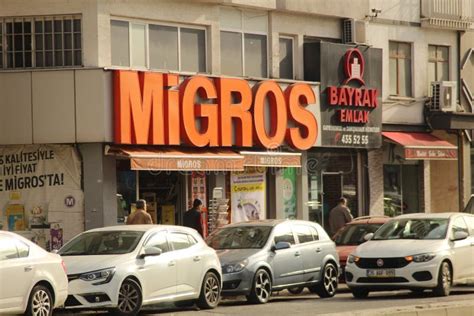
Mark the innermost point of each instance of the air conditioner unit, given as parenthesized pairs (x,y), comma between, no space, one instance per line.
(443,96)
(353,31)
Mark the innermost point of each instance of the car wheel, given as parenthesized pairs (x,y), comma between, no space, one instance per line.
(130,299)
(360,293)
(40,302)
(295,290)
(327,287)
(444,280)
(210,291)
(261,288)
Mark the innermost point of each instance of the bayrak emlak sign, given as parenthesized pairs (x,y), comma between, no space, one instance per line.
(167,109)
(351,87)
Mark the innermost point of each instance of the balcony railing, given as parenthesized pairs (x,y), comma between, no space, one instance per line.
(447,14)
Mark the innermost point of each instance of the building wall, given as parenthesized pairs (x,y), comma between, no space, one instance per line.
(375,170)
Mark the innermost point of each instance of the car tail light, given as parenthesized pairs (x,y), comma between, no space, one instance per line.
(64,266)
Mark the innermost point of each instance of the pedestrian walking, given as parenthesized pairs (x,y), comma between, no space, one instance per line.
(192,217)
(140,216)
(339,216)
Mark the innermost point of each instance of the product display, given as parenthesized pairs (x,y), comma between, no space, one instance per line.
(218,214)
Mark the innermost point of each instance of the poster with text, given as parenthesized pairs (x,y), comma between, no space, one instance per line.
(40,192)
(289,192)
(248,196)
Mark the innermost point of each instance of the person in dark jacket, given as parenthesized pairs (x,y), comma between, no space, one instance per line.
(192,217)
(339,216)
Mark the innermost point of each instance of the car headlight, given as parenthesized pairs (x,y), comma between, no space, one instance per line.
(234,267)
(352,259)
(100,276)
(423,257)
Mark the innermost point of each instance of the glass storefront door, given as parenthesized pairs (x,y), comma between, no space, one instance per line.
(401,189)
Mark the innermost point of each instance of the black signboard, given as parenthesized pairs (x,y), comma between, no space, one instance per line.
(351,88)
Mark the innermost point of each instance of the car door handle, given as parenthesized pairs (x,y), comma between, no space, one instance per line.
(28,268)
(318,250)
(297,254)
(171,263)
(197,259)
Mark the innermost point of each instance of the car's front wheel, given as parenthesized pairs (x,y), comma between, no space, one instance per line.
(444,280)
(261,288)
(130,299)
(40,302)
(210,291)
(327,287)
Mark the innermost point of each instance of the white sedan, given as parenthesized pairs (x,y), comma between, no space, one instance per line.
(124,267)
(416,252)
(33,281)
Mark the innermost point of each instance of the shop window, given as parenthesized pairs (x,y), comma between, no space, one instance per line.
(244,43)
(438,63)
(401,189)
(40,42)
(400,69)
(156,46)
(286,57)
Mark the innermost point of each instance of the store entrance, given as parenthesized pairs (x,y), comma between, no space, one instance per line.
(332,183)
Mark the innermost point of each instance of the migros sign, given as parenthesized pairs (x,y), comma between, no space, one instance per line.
(155,109)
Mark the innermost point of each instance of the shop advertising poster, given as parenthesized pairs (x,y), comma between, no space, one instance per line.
(40,193)
(248,196)
(289,192)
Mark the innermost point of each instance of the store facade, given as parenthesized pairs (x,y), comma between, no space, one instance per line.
(351,120)
(229,142)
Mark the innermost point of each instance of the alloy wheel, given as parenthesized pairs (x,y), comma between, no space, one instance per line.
(128,298)
(330,279)
(446,277)
(263,286)
(41,303)
(211,290)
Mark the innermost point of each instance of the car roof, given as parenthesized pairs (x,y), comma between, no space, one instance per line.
(430,215)
(371,219)
(269,222)
(142,228)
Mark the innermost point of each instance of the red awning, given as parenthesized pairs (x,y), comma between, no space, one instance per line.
(423,146)
(145,158)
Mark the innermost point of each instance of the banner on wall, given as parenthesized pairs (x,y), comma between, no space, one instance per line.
(248,196)
(289,192)
(40,193)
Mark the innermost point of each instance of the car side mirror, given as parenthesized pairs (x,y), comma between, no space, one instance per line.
(460,235)
(281,245)
(151,251)
(368,236)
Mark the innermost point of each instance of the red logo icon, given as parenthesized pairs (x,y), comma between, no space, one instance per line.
(354,64)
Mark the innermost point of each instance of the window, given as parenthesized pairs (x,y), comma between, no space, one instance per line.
(284,234)
(438,63)
(40,42)
(179,241)
(159,240)
(244,43)
(304,234)
(7,249)
(23,249)
(400,69)
(470,222)
(157,46)
(286,57)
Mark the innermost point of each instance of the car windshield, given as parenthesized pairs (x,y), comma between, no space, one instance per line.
(353,235)
(102,243)
(409,228)
(241,237)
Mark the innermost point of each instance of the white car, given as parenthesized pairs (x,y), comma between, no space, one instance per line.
(32,280)
(416,252)
(126,267)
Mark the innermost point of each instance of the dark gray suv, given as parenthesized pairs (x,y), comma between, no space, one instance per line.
(260,257)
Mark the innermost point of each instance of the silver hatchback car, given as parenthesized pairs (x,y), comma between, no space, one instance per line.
(260,257)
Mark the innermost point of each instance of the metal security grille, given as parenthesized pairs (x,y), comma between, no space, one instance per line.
(436,93)
(40,42)
(347,32)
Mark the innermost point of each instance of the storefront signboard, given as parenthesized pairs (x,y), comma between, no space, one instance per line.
(248,196)
(157,109)
(430,153)
(351,88)
(40,193)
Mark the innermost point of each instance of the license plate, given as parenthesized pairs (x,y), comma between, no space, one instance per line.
(381,273)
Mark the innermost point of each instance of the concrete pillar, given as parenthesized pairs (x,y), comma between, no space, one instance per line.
(426,165)
(100,186)
(375,166)
(302,189)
